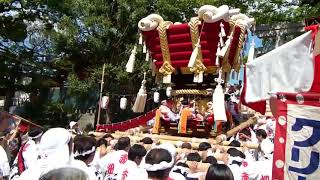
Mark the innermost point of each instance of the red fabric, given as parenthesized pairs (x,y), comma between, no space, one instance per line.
(23,127)
(125,125)
(234,45)
(180,45)
(316,81)
(257,106)
(21,166)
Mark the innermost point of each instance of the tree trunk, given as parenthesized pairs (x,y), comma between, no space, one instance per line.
(8,101)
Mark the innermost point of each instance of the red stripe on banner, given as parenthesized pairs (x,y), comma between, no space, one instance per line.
(280,166)
(128,124)
(280,141)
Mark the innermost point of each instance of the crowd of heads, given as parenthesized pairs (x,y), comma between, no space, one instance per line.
(59,153)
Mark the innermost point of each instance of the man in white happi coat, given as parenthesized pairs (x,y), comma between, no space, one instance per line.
(30,151)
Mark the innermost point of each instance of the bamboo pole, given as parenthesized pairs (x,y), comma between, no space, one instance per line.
(27,121)
(194,145)
(176,139)
(243,125)
(100,95)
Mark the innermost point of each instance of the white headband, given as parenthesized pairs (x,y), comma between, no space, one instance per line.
(237,159)
(76,154)
(37,136)
(161,166)
(182,169)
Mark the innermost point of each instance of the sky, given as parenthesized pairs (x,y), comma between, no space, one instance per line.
(258,43)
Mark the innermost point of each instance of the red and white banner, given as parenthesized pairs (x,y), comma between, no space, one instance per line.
(297,138)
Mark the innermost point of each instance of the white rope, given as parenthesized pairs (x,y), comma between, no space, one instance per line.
(161,166)
(76,154)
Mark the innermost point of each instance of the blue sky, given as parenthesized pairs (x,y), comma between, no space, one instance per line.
(258,44)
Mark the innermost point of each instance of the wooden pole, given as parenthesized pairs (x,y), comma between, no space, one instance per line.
(100,96)
(243,125)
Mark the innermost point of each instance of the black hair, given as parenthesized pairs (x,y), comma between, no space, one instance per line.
(83,144)
(178,170)
(203,146)
(34,132)
(123,143)
(236,153)
(136,151)
(262,133)
(65,173)
(156,156)
(186,145)
(146,140)
(194,157)
(235,143)
(108,136)
(211,160)
(246,131)
(219,171)
(182,164)
(101,142)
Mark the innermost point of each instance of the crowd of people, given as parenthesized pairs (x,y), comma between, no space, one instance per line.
(59,153)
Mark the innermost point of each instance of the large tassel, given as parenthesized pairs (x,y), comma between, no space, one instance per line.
(132,58)
(218,102)
(224,50)
(144,49)
(141,99)
(222,31)
(194,55)
(140,39)
(147,56)
(251,52)
(217,55)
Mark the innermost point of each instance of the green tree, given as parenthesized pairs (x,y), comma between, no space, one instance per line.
(60,43)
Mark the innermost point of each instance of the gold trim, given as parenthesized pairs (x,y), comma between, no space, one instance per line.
(166,68)
(236,60)
(194,31)
(210,70)
(191,92)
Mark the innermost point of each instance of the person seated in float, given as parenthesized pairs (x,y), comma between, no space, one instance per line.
(197,114)
(166,112)
(209,113)
(187,109)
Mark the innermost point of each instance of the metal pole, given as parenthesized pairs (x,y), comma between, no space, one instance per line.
(100,98)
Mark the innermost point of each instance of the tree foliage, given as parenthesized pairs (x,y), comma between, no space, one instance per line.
(65,43)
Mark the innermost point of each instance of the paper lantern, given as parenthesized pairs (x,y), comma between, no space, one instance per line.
(169,91)
(156,97)
(123,103)
(105,102)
